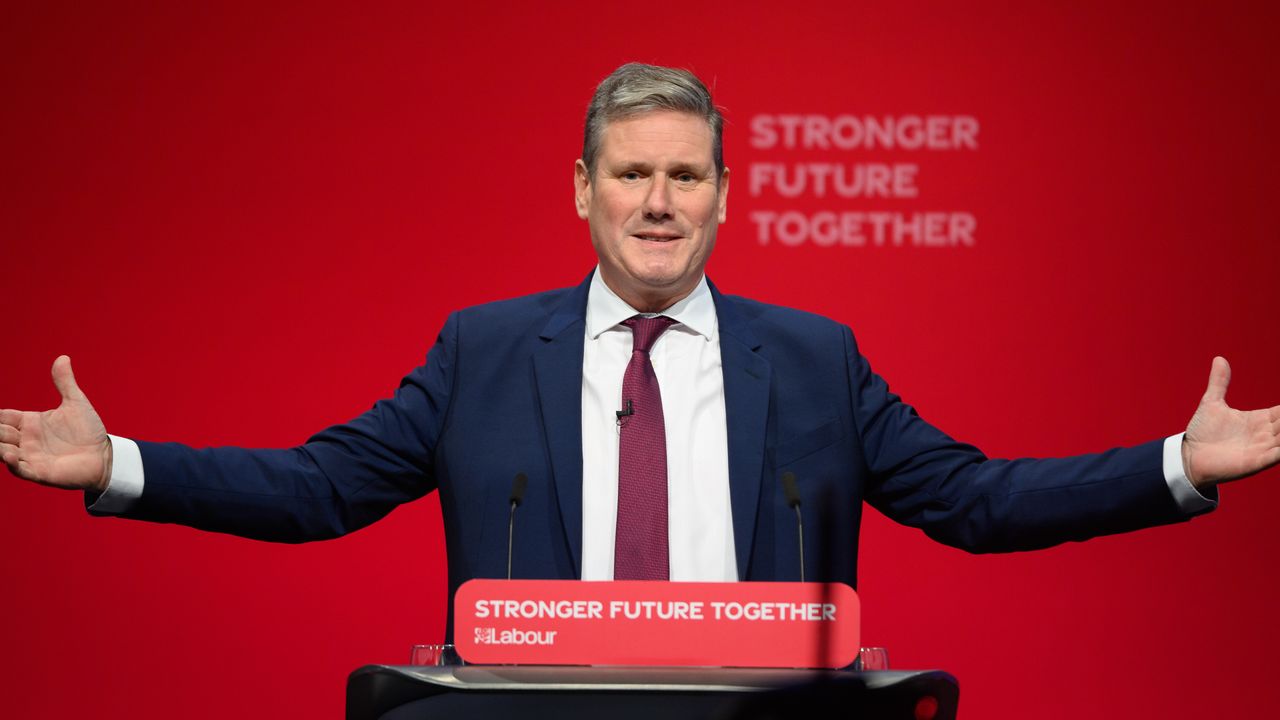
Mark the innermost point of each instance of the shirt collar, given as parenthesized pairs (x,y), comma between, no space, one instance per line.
(605,310)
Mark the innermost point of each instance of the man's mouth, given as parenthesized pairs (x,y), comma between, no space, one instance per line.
(656,236)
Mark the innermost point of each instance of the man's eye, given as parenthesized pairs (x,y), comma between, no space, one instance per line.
(686,178)
(632,175)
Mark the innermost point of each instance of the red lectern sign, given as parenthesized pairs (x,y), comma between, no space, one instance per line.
(567,622)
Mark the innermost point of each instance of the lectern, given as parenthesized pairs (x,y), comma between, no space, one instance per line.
(471,692)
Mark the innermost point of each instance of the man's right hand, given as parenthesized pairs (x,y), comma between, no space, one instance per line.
(66,447)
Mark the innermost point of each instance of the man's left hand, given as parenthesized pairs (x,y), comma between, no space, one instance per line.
(1224,444)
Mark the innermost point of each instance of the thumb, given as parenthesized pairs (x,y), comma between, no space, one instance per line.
(1219,379)
(65,380)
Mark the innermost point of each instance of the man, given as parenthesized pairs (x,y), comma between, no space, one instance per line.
(653,416)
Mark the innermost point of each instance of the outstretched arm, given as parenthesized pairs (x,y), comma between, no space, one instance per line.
(1224,444)
(66,447)
(341,479)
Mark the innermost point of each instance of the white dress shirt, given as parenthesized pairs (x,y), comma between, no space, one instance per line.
(686,360)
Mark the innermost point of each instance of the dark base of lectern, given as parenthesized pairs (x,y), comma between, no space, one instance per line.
(381,692)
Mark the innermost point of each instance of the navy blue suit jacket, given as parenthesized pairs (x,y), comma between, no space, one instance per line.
(500,394)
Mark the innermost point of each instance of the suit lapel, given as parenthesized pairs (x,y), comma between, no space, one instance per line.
(746,404)
(557,368)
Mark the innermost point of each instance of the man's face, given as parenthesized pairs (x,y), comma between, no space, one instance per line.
(653,206)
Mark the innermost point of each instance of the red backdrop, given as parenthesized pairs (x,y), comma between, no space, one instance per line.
(245,223)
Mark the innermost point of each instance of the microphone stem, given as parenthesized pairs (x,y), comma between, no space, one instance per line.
(511,534)
(800,537)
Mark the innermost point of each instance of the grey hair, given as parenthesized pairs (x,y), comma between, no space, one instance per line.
(635,89)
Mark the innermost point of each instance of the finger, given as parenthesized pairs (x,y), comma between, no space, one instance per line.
(13,418)
(10,455)
(65,380)
(1219,379)
(9,435)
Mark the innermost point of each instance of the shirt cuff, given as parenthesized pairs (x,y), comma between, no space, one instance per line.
(125,486)
(1189,499)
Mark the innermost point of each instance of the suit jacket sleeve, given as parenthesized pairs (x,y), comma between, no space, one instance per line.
(340,480)
(921,477)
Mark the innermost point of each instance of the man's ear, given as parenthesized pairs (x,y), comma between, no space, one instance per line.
(581,188)
(723,192)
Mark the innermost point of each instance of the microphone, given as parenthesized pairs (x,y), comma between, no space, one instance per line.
(627,412)
(792,492)
(517,496)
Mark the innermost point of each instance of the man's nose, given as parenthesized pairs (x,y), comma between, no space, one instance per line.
(657,202)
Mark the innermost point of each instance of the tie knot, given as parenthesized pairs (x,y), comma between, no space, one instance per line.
(645,330)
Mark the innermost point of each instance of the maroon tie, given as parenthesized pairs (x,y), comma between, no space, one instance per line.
(640,551)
